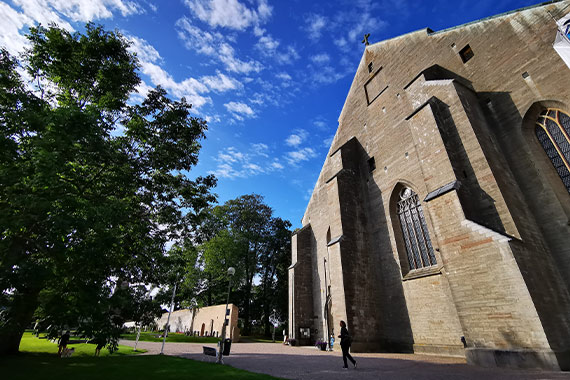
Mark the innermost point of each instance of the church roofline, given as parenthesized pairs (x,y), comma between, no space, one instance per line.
(431,32)
(308,225)
(494,16)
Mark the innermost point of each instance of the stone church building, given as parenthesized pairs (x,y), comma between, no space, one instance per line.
(440,220)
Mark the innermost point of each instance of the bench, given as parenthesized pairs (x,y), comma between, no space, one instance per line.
(209,351)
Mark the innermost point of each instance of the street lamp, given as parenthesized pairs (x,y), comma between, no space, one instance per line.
(231,272)
(168,319)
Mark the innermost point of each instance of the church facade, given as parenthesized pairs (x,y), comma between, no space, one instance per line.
(440,221)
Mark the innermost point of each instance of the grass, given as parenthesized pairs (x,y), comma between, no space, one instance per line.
(172,338)
(38,360)
(150,367)
(31,344)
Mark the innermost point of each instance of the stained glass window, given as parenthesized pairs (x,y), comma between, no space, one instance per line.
(553,131)
(414,229)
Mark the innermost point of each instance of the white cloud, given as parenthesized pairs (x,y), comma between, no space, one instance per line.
(235,164)
(267,45)
(140,93)
(230,14)
(239,110)
(12,22)
(363,25)
(226,54)
(276,165)
(288,57)
(321,58)
(190,88)
(305,154)
(283,76)
(27,13)
(221,82)
(297,138)
(213,45)
(355,24)
(144,51)
(44,11)
(328,74)
(293,140)
(320,122)
(327,142)
(260,149)
(153,7)
(314,25)
(341,43)
(308,193)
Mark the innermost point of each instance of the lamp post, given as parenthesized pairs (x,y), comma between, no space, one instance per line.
(231,272)
(140,325)
(168,319)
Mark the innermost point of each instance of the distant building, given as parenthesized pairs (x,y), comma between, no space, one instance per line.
(440,220)
(205,321)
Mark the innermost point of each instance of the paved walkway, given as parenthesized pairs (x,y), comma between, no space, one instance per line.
(307,363)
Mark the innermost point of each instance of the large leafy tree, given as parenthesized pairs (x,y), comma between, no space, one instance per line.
(274,263)
(243,233)
(91,188)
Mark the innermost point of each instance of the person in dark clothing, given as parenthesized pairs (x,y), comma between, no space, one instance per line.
(100,341)
(345,342)
(63,343)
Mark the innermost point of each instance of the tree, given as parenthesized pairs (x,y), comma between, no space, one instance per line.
(275,260)
(84,209)
(244,234)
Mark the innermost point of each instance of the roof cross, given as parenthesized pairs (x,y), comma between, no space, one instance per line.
(365,40)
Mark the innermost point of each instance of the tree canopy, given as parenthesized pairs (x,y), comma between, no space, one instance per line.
(244,234)
(91,187)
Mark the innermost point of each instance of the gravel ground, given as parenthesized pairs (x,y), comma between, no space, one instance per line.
(308,363)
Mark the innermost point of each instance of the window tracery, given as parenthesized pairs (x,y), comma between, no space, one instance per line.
(418,245)
(553,131)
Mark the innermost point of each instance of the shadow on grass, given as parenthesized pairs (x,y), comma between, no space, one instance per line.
(49,366)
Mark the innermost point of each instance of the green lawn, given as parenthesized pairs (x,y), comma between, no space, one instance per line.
(31,344)
(172,338)
(38,360)
(152,367)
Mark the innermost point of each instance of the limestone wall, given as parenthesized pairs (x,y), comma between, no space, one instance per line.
(427,117)
(205,321)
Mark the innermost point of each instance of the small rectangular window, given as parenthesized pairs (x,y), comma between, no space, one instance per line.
(375,86)
(371,164)
(370,67)
(466,53)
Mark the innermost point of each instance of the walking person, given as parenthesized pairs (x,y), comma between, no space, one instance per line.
(62,346)
(345,342)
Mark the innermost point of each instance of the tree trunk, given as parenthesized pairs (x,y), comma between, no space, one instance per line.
(266,306)
(209,290)
(20,313)
(246,324)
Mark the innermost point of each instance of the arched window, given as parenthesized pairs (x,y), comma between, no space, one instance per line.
(553,130)
(414,230)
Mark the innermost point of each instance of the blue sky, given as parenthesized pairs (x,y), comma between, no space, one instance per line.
(270,77)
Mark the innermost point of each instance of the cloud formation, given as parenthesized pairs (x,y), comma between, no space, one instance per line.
(190,88)
(214,45)
(230,14)
(240,110)
(314,25)
(26,13)
(232,163)
(297,156)
(297,138)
